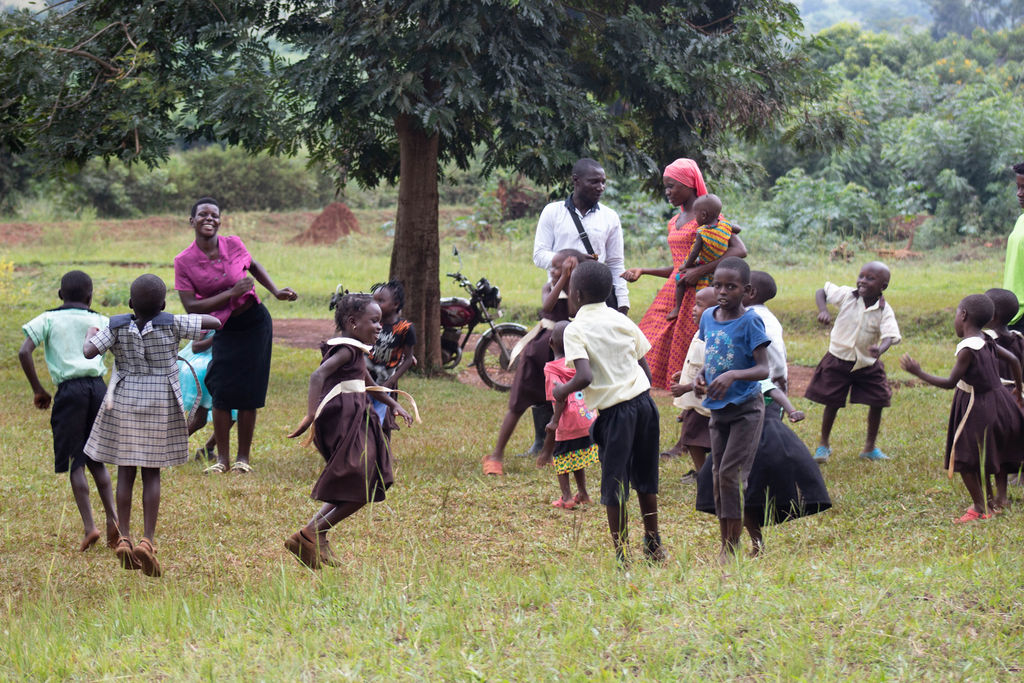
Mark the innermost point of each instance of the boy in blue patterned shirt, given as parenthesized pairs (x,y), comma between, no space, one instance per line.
(735,360)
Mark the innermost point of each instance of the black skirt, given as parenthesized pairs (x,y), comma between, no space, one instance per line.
(240,369)
(785,483)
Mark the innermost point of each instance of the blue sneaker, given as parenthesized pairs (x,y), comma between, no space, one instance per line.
(821,453)
(874,454)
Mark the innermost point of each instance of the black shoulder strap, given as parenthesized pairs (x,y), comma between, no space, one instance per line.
(571,208)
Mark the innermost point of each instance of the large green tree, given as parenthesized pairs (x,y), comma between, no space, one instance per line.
(392,90)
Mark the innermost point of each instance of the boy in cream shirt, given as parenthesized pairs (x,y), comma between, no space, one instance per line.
(607,350)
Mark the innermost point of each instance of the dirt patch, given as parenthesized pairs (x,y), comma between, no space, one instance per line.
(303,333)
(335,221)
(307,333)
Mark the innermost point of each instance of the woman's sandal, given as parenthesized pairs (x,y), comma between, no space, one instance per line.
(559,503)
(216,468)
(241,466)
(125,554)
(145,555)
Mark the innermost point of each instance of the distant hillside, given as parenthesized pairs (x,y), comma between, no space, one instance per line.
(873,15)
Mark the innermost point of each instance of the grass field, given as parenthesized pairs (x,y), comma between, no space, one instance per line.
(457,576)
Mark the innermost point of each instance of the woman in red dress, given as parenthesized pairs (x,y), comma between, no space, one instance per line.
(670,339)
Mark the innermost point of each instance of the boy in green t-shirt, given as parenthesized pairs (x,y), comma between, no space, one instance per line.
(80,390)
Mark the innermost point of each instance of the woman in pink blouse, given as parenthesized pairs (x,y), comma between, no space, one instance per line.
(215,275)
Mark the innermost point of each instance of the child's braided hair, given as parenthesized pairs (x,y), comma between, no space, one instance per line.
(397,291)
(349,305)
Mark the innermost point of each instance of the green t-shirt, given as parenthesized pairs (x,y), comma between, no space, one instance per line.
(1013,275)
(62,332)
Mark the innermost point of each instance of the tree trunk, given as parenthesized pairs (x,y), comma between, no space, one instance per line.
(415,256)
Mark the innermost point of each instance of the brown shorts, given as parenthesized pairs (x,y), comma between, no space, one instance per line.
(696,432)
(832,380)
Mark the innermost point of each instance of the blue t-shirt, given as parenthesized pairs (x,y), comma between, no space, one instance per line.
(730,345)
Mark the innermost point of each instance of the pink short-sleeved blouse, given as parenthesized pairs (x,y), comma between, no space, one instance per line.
(205,277)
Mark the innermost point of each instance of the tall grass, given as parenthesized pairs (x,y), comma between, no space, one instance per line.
(461,577)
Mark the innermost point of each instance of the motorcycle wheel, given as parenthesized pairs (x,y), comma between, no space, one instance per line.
(492,355)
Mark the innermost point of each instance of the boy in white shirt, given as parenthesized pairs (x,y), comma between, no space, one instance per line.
(865,327)
(607,351)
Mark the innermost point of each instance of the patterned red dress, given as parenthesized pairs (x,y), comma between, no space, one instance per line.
(670,339)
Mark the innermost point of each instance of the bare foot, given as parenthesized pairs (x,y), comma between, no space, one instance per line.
(544,459)
(89,538)
(112,533)
(672,315)
(757,548)
(582,499)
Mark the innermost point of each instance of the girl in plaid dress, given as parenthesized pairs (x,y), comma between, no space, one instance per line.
(142,422)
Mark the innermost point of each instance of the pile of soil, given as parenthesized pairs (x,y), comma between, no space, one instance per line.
(335,221)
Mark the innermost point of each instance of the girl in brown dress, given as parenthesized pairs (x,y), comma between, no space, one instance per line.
(985,424)
(345,429)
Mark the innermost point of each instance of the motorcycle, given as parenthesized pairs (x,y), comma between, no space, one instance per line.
(460,316)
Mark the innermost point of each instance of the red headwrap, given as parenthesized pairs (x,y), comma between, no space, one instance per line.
(688,173)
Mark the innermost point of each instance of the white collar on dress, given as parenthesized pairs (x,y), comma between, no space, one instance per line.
(972,343)
(349,341)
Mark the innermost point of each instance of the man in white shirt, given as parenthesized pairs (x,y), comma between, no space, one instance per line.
(556,228)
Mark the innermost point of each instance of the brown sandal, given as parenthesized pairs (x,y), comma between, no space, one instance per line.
(145,555)
(125,554)
(304,548)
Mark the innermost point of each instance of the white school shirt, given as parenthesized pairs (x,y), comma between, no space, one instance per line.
(613,345)
(858,327)
(692,366)
(777,349)
(556,231)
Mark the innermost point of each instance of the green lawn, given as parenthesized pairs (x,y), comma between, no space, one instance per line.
(458,576)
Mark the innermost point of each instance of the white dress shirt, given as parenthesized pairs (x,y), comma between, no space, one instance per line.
(556,231)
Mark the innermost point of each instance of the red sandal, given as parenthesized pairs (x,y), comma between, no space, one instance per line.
(972,515)
(559,503)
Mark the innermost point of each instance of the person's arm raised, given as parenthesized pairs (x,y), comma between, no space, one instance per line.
(633,274)
(964,358)
(262,277)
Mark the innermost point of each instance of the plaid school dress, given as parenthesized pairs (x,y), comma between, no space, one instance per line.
(142,422)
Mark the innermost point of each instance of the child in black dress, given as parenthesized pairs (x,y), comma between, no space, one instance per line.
(392,355)
(985,425)
(1005,306)
(528,385)
(345,430)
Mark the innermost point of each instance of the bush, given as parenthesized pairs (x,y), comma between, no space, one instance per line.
(815,211)
(243,182)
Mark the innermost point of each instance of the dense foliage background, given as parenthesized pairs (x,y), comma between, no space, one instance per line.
(919,133)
